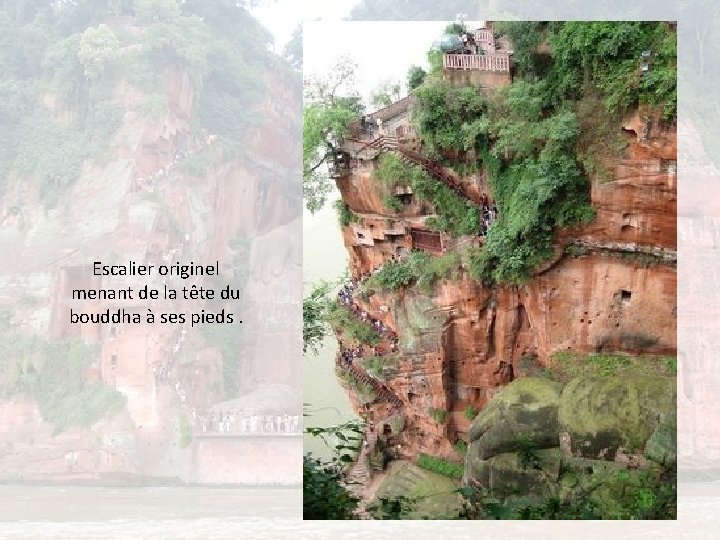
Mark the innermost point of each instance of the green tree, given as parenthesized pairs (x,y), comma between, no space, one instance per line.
(415,77)
(151,11)
(293,51)
(314,311)
(450,118)
(385,94)
(324,493)
(331,103)
(98,46)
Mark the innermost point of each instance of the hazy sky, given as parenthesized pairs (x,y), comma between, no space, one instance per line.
(382,50)
(281,17)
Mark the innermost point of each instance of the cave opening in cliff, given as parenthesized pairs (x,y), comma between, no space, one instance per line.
(625,295)
(627,231)
(405,199)
(426,240)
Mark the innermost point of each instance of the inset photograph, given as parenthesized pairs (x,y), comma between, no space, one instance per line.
(490,270)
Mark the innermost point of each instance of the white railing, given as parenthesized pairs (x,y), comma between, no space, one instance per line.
(479,62)
(484,36)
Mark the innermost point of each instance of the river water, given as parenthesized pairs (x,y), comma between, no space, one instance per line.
(324,258)
(174,513)
(84,513)
(74,513)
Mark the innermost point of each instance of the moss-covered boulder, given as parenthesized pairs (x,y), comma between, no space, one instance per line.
(419,494)
(523,414)
(514,475)
(662,444)
(602,415)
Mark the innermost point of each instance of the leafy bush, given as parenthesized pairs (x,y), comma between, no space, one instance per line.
(455,214)
(345,215)
(461,447)
(439,415)
(315,306)
(98,46)
(393,275)
(441,466)
(419,267)
(393,204)
(450,118)
(344,321)
(470,412)
(415,77)
(324,495)
(575,250)
(380,366)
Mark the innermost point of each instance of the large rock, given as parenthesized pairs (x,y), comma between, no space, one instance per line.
(602,415)
(523,414)
(662,444)
(434,495)
(512,474)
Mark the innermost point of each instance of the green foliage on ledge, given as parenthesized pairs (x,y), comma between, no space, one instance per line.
(543,135)
(534,196)
(54,375)
(455,215)
(345,215)
(441,466)
(450,118)
(344,321)
(564,366)
(380,366)
(419,267)
(439,415)
(470,412)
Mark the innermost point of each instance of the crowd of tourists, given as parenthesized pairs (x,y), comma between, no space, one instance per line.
(489,214)
(345,297)
(162,372)
(149,182)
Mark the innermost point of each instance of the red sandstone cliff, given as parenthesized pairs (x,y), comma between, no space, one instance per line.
(104,214)
(617,294)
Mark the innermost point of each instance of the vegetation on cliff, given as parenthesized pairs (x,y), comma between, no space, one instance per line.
(315,306)
(54,374)
(418,268)
(455,214)
(541,140)
(331,104)
(64,62)
(528,135)
(325,495)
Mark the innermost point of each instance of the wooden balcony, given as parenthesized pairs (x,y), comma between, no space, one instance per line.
(478,62)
